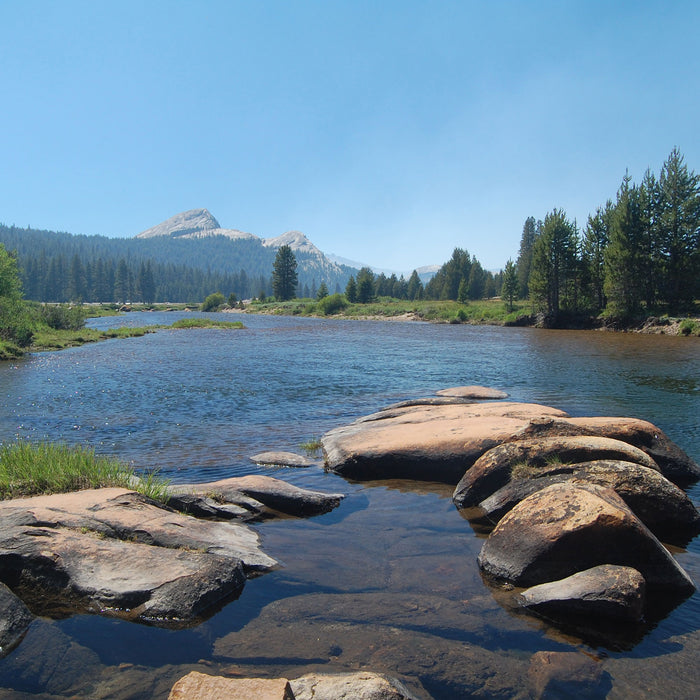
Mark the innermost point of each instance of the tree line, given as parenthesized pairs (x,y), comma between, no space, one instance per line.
(638,253)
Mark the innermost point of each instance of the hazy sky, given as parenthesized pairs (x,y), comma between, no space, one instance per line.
(389,132)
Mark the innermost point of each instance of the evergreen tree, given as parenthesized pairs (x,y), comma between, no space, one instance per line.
(365,286)
(414,290)
(525,256)
(595,242)
(679,231)
(351,290)
(284,274)
(146,284)
(553,263)
(322,291)
(510,287)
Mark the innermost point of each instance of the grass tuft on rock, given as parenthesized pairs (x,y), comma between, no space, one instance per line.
(30,469)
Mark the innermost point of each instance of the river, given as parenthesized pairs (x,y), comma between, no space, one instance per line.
(388,581)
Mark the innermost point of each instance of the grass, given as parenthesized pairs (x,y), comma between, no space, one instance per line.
(51,339)
(311,447)
(30,469)
(205,323)
(488,311)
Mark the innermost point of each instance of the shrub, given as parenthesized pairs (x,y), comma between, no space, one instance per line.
(61,317)
(332,304)
(689,327)
(213,302)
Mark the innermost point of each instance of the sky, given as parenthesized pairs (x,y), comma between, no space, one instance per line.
(388,131)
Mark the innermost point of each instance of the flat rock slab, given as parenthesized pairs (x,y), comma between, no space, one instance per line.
(281,459)
(267,492)
(434,443)
(473,392)
(200,686)
(567,528)
(605,591)
(567,674)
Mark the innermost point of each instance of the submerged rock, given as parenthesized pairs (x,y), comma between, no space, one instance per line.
(434,443)
(15,619)
(200,686)
(605,591)
(281,459)
(566,528)
(567,674)
(473,392)
(360,685)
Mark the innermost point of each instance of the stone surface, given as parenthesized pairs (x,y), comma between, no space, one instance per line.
(15,619)
(605,591)
(566,674)
(473,392)
(494,469)
(673,462)
(661,505)
(272,493)
(200,686)
(435,443)
(361,685)
(566,528)
(281,459)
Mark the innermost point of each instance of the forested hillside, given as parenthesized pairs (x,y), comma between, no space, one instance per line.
(63,267)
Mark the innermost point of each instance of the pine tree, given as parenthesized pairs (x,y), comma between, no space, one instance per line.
(284,274)
(510,287)
(525,256)
(351,290)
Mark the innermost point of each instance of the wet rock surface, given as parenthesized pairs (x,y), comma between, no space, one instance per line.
(566,528)
(15,619)
(115,552)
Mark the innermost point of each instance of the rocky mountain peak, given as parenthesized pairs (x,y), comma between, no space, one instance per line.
(296,240)
(183,224)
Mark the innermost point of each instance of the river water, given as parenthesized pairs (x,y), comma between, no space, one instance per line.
(388,581)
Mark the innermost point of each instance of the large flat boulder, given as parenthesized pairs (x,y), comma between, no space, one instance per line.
(359,685)
(201,686)
(566,528)
(494,469)
(428,442)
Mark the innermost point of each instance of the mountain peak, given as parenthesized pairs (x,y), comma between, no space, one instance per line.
(296,240)
(182,224)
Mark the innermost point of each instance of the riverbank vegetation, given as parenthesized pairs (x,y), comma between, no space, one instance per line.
(28,469)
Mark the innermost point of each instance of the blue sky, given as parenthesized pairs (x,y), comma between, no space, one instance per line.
(389,132)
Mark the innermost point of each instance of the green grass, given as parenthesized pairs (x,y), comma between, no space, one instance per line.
(51,339)
(29,469)
(205,323)
(311,447)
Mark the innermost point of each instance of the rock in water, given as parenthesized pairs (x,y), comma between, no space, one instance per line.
(15,619)
(434,443)
(606,591)
(566,528)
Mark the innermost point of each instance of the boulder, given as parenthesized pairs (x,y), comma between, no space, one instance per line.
(479,393)
(434,443)
(200,686)
(281,459)
(15,619)
(495,468)
(566,528)
(361,685)
(661,505)
(567,674)
(672,461)
(605,591)
(267,492)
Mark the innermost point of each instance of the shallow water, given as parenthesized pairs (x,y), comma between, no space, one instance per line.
(389,580)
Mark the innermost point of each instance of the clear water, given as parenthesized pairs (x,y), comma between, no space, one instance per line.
(389,580)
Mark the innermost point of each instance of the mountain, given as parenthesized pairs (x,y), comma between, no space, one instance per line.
(195,223)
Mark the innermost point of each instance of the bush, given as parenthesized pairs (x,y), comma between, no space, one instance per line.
(213,302)
(689,327)
(61,317)
(16,325)
(332,304)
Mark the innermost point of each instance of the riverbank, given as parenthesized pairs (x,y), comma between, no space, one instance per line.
(485,312)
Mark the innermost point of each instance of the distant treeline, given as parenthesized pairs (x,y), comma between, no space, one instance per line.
(61,267)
